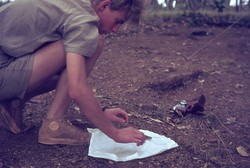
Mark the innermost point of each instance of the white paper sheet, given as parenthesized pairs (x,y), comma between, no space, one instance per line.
(101,146)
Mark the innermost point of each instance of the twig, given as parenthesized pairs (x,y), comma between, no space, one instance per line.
(184,57)
(146,117)
(205,45)
(231,132)
(216,132)
(224,145)
(200,126)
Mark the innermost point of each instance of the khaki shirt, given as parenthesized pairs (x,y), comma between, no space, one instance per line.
(26,25)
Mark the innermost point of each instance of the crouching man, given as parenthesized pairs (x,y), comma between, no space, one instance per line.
(54,44)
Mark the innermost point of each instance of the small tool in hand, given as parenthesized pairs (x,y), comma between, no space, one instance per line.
(148,137)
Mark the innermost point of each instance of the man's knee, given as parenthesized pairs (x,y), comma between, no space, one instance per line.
(53,51)
(57,48)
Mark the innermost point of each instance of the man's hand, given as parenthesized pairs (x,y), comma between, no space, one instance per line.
(116,115)
(130,135)
(124,135)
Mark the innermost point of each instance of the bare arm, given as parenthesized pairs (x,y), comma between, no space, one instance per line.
(80,91)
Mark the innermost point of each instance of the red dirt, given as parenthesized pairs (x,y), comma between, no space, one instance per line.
(147,73)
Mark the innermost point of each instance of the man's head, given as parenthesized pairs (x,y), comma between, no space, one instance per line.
(113,13)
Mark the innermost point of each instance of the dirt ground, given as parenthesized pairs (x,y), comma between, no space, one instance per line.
(147,72)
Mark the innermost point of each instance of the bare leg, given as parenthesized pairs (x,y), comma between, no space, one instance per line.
(48,61)
(45,88)
(61,99)
(54,129)
(48,73)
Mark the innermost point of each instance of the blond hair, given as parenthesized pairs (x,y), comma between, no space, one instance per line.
(134,7)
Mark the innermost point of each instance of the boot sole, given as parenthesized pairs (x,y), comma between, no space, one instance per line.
(8,121)
(54,141)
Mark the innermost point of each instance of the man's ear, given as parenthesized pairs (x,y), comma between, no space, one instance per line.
(103,5)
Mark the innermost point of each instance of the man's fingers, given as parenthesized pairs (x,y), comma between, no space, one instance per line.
(120,120)
(140,138)
(123,116)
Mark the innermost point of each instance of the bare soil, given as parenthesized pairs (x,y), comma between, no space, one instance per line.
(147,72)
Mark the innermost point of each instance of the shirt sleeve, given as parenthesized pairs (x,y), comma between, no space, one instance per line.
(80,35)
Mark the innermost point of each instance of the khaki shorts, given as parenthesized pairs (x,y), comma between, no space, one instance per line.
(15,76)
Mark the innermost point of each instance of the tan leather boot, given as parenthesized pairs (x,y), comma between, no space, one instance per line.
(59,131)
